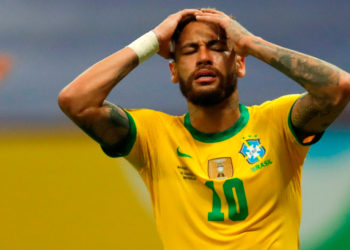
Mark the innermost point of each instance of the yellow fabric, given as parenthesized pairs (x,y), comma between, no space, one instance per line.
(176,169)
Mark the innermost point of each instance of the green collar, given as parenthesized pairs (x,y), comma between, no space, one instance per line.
(220,136)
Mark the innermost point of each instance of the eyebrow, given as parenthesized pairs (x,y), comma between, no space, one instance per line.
(190,44)
(209,43)
(216,41)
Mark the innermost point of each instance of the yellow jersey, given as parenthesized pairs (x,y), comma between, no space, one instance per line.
(236,189)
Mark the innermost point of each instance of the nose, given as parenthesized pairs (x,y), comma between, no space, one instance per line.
(204,56)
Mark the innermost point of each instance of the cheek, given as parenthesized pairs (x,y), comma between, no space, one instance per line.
(227,65)
(221,60)
(185,68)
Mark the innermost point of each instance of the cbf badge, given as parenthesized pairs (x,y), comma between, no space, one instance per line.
(220,168)
(252,150)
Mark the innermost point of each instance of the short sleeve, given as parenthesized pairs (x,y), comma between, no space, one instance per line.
(135,147)
(124,148)
(283,106)
(281,112)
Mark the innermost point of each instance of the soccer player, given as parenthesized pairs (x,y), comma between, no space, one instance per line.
(222,176)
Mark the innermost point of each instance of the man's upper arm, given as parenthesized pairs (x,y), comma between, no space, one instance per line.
(108,125)
(310,117)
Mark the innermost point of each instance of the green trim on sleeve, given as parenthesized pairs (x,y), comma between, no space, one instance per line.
(127,144)
(220,136)
(131,138)
(290,125)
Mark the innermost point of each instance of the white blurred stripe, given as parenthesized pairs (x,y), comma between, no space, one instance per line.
(326,197)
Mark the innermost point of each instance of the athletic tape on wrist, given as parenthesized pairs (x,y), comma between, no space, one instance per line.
(145,46)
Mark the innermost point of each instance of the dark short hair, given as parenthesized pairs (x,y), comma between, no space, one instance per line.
(180,27)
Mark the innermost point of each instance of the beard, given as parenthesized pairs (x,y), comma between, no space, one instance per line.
(227,85)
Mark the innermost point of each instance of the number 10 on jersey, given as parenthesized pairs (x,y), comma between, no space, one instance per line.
(231,187)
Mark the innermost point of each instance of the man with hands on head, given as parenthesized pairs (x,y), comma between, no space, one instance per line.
(222,176)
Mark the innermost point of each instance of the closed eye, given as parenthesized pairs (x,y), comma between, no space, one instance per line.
(217,45)
(189,48)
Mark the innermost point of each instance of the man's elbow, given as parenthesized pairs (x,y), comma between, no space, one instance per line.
(66,101)
(344,89)
(335,97)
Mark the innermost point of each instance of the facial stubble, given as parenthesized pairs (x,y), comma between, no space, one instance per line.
(227,85)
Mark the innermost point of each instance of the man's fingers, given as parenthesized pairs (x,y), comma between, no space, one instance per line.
(186,12)
(176,17)
(208,17)
(208,14)
(213,11)
(165,30)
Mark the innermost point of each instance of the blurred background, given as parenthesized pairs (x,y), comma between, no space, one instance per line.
(59,191)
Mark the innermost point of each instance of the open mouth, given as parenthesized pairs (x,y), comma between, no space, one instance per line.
(205,76)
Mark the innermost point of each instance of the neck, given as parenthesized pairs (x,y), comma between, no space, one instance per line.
(216,118)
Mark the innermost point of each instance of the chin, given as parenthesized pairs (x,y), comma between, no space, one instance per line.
(207,94)
(206,98)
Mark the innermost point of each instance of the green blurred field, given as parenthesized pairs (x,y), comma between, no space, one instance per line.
(59,191)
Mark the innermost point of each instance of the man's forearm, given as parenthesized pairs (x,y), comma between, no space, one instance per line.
(318,77)
(92,87)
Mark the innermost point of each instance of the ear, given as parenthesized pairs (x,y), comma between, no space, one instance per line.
(173,71)
(240,66)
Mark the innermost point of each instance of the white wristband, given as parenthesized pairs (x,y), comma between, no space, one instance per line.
(145,46)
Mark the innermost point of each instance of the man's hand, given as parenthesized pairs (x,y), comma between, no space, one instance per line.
(237,35)
(328,86)
(165,30)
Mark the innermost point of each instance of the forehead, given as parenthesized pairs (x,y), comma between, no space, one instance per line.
(199,31)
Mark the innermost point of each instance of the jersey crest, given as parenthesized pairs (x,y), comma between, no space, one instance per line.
(252,150)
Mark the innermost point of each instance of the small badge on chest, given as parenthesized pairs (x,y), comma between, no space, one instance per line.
(220,168)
